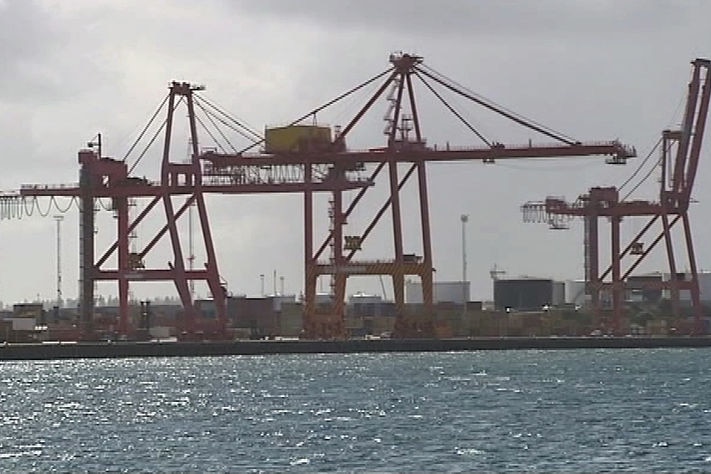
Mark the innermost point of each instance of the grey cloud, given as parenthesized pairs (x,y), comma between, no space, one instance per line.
(43,55)
(24,34)
(27,39)
(478,18)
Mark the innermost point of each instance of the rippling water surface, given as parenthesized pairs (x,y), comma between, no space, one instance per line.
(583,410)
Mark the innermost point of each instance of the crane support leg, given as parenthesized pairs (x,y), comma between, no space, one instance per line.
(617,283)
(86,248)
(694,289)
(121,209)
(426,276)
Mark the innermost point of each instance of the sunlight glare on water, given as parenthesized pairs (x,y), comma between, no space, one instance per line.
(578,410)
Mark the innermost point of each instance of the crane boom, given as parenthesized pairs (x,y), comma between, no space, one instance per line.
(618,151)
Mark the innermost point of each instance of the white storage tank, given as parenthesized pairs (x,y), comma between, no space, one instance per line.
(575,292)
(685,296)
(457,292)
(278,300)
(413,292)
(451,291)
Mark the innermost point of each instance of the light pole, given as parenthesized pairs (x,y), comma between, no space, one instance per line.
(261,278)
(59,220)
(464,218)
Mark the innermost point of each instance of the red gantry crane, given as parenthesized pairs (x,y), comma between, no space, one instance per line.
(680,151)
(304,158)
(187,183)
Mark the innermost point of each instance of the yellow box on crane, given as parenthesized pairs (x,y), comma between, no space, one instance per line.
(294,138)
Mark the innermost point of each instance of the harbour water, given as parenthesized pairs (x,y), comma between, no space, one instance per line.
(550,411)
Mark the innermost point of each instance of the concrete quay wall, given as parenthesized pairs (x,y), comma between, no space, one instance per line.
(196,349)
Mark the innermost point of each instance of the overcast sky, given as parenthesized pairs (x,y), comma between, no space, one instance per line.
(594,70)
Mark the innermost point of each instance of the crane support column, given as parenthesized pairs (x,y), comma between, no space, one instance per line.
(398,277)
(120,205)
(86,241)
(337,329)
(170,176)
(592,265)
(694,284)
(617,284)
(427,272)
(309,261)
(673,275)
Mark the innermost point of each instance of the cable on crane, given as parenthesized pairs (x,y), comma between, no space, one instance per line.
(30,211)
(640,166)
(35,203)
(239,123)
(679,104)
(329,103)
(498,106)
(18,206)
(211,117)
(6,206)
(73,201)
(52,201)
(15,210)
(214,139)
(521,120)
(145,129)
(153,139)
(451,109)
(32,203)
(101,204)
(646,176)
(653,150)
(345,109)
